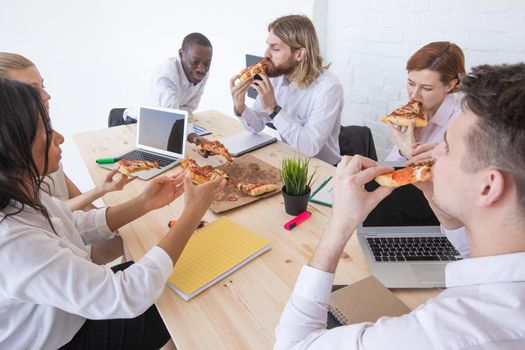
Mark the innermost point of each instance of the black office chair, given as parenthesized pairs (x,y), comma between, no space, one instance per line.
(354,139)
(115,118)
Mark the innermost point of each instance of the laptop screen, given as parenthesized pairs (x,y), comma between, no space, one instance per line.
(405,206)
(162,130)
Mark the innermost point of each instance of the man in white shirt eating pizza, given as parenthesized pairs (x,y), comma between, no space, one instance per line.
(297,94)
(478,178)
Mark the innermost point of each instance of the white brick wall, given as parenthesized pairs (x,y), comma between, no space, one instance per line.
(369,42)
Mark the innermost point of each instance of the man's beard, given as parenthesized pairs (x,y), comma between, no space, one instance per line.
(284,69)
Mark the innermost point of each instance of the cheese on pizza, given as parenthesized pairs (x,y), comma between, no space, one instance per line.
(128,167)
(256,189)
(215,147)
(251,71)
(413,173)
(200,175)
(403,115)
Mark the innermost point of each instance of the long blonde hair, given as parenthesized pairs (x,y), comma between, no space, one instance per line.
(298,32)
(12,61)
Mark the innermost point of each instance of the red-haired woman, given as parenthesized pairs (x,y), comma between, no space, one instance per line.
(434,72)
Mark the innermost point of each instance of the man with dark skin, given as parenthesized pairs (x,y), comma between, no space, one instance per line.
(179,82)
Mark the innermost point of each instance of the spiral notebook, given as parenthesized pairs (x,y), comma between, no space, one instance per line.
(365,301)
(213,253)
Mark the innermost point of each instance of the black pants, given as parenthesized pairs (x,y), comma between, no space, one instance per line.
(146,331)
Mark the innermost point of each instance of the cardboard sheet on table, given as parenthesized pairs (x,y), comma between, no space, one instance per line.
(245,169)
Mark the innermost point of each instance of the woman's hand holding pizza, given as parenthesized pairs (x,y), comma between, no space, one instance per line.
(266,94)
(198,198)
(422,152)
(113,181)
(403,137)
(162,191)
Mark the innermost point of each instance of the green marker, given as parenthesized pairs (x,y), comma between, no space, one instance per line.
(108,160)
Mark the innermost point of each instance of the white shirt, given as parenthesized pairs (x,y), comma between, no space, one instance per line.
(435,130)
(170,88)
(57,184)
(483,308)
(49,286)
(310,118)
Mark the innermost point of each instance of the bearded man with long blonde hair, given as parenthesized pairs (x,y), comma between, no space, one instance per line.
(297,94)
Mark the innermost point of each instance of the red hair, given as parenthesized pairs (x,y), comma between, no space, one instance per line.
(443,57)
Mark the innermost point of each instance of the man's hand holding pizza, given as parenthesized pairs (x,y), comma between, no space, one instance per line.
(238,92)
(266,94)
(352,203)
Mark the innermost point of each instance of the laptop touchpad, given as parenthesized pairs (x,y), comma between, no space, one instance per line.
(429,273)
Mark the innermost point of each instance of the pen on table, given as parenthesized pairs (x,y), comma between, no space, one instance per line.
(108,160)
(297,220)
(173,222)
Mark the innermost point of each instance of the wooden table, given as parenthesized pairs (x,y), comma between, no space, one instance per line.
(241,311)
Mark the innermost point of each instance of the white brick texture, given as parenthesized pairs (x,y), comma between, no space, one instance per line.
(369,42)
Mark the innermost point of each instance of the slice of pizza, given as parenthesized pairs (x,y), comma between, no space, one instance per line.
(215,147)
(256,189)
(405,176)
(127,166)
(403,115)
(200,175)
(251,71)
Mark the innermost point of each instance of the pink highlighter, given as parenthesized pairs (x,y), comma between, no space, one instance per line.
(297,220)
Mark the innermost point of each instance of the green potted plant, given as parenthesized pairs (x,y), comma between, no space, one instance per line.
(297,184)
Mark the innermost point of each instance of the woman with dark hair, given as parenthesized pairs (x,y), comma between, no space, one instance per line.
(434,73)
(58,184)
(52,294)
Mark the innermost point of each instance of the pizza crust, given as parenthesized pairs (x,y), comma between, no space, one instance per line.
(420,122)
(129,167)
(256,189)
(404,114)
(215,147)
(251,71)
(418,172)
(200,175)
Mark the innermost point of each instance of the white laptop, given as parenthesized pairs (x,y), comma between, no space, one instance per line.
(245,142)
(161,137)
(402,241)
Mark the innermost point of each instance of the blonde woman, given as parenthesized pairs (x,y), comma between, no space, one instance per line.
(297,94)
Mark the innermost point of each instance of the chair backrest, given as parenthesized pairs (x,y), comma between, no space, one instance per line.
(354,139)
(115,117)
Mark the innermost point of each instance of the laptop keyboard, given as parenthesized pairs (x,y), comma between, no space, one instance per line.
(150,157)
(412,249)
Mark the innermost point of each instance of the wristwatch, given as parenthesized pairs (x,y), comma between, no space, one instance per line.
(276,110)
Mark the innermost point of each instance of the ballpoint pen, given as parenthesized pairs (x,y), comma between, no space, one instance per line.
(173,222)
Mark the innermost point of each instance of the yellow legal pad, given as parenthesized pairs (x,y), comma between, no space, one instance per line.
(213,253)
